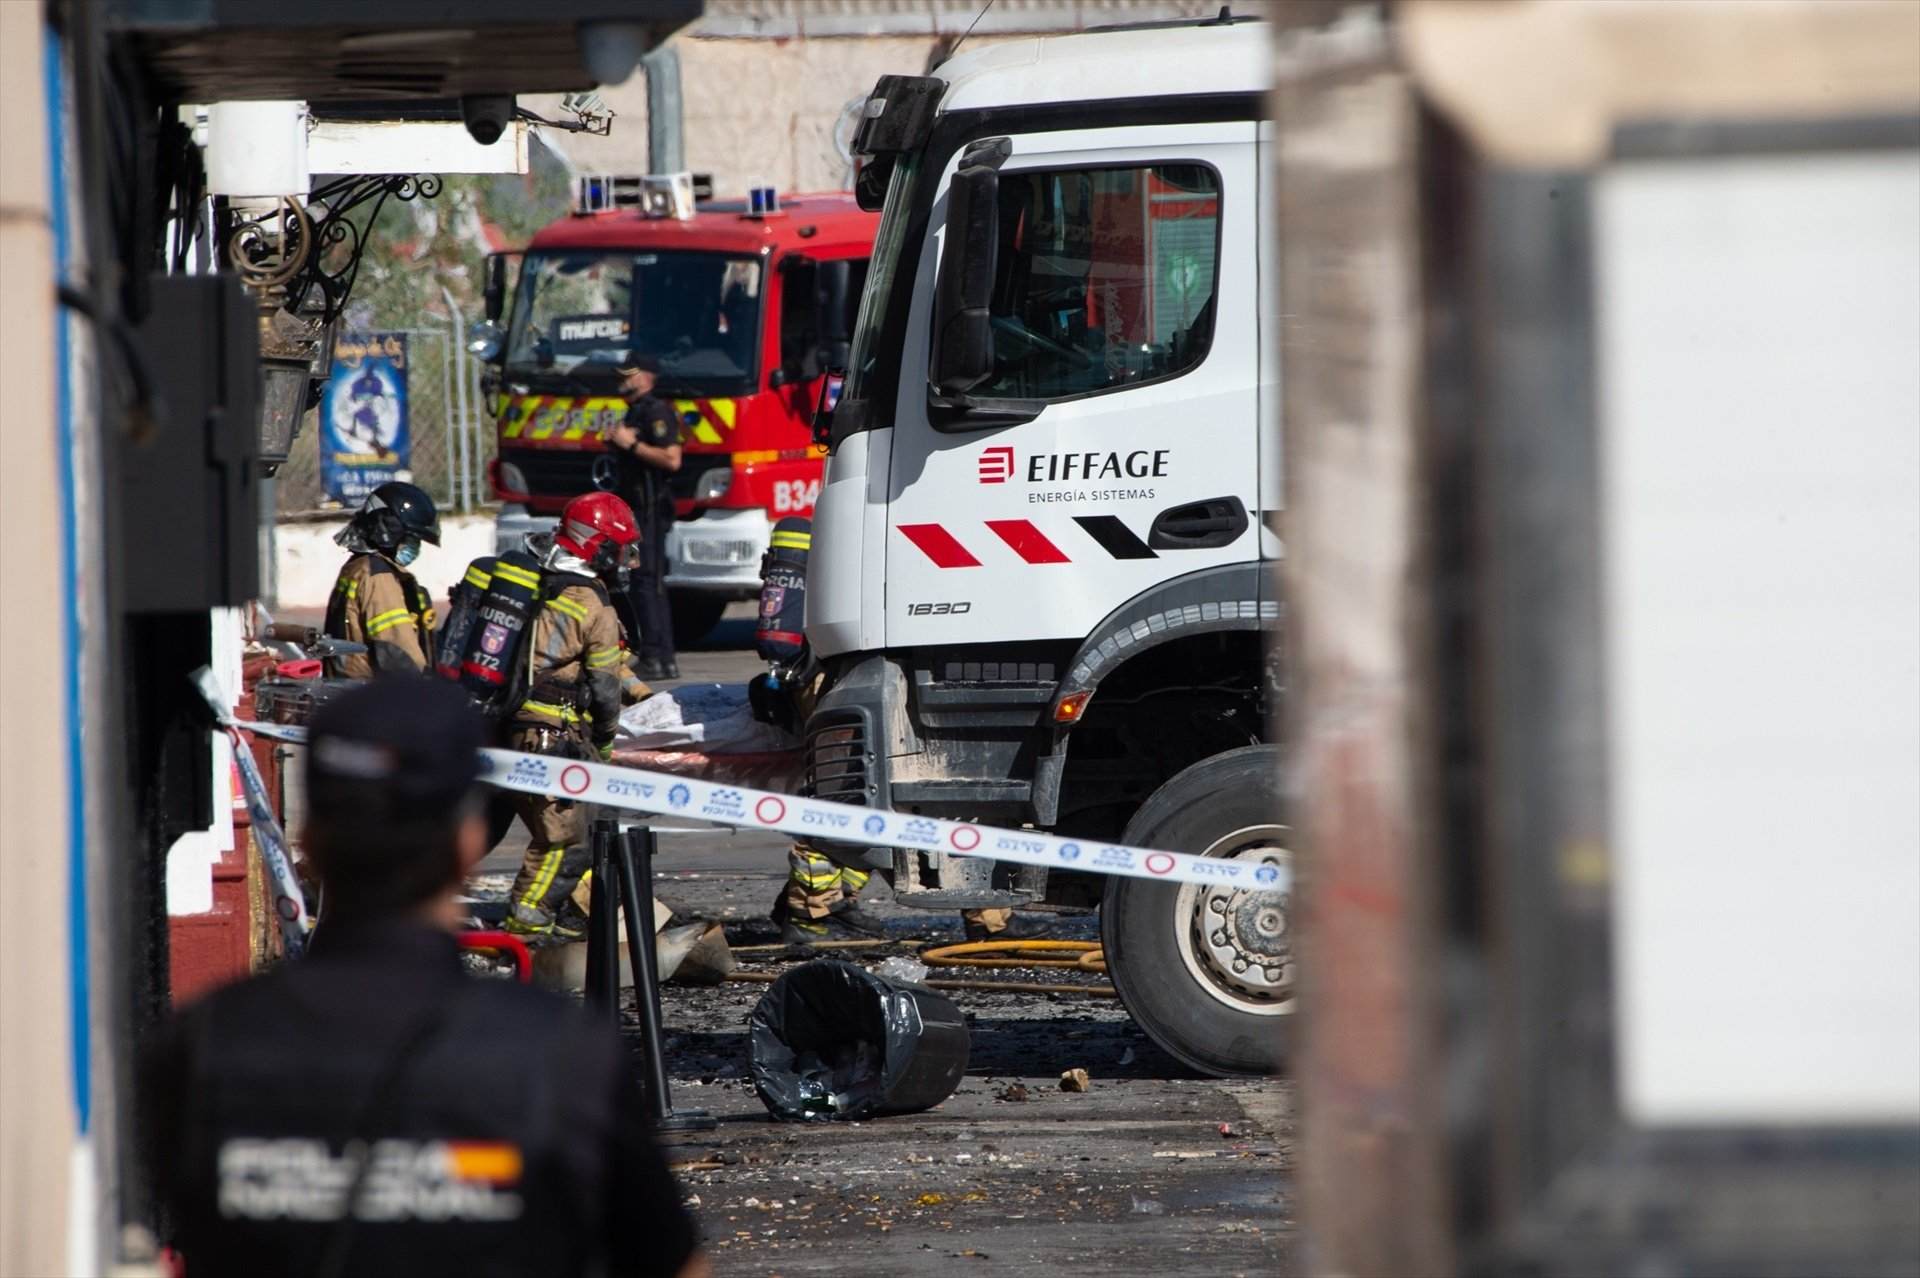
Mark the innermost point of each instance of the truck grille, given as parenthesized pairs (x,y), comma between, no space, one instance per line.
(839,757)
(553,472)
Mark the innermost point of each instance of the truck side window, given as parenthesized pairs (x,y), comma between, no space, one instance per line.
(1105,278)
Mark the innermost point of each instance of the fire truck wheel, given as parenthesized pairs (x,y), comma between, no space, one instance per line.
(695,613)
(1208,971)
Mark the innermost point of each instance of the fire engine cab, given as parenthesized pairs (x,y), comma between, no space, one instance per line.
(744,304)
(1039,584)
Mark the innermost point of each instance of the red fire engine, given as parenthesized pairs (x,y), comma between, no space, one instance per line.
(744,303)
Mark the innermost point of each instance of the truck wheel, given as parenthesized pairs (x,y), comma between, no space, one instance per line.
(1208,972)
(695,613)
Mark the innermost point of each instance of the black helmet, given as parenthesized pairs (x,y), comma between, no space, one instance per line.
(397,511)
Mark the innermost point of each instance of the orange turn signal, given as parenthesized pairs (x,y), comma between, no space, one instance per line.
(1068,708)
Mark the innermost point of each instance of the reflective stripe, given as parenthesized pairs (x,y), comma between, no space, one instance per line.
(517,575)
(567,607)
(600,658)
(388,620)
(565,714)
(549,867)
(792,541)
(855,879)
(477,578)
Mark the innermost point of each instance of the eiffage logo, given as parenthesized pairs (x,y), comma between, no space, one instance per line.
(996,465)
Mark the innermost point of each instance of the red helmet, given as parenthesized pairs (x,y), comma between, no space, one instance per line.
(599,528)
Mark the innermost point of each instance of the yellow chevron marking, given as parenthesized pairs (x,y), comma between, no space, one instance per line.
(518,412)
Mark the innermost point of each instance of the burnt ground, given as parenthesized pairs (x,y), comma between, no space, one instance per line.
(1010,1173)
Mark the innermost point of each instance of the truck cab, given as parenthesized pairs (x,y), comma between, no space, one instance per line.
(1039,584)
(744,303)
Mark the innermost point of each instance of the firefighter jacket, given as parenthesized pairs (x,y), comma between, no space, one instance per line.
(577,662)
(380,605)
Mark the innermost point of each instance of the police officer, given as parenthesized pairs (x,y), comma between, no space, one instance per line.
(354,1112)
(577,679)
(648,443)
(375,599)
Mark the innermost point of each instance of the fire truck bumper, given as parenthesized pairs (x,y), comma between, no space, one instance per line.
(512,525)
(718,551)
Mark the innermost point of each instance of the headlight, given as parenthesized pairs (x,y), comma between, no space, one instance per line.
(713,485)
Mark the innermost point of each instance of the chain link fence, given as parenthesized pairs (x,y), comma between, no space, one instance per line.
(451,435)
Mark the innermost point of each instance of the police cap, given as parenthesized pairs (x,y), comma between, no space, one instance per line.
(640,362)
(414,738)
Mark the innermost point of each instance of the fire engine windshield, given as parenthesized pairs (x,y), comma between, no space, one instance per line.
(579,314)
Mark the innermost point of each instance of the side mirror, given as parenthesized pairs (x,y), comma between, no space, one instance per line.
(870,181)
(829,400)
(495,293)
(486,341)
(963,294)
(799,318)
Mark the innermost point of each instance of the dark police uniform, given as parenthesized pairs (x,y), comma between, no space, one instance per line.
(504,1129)
(647,490)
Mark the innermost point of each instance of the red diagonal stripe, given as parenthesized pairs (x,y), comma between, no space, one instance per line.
(1027,541)
(937,544)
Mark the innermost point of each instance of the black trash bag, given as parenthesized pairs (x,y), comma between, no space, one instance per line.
(832,1040)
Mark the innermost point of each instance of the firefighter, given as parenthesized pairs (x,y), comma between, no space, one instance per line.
(354,1112)
(375,599)
(576,679)
(648,443)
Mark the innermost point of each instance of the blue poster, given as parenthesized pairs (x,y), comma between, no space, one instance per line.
(363,416)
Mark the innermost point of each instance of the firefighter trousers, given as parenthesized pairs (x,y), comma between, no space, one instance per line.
(557,854)
(816,884)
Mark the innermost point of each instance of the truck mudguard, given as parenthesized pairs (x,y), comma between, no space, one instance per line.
(1238,596)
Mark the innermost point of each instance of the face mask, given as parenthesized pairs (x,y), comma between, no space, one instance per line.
(408,551)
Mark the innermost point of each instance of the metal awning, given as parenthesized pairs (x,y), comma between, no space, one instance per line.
(240,50)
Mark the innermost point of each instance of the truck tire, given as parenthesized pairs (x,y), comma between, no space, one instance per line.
(1220,998)
(695,614)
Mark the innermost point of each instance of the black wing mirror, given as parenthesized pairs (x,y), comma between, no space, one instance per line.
(963,294)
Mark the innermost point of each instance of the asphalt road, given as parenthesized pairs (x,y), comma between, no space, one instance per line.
(1149,1171)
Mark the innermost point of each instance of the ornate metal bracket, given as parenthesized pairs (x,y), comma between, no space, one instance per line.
(308,256)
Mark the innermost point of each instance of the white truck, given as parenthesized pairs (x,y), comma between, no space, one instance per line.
(1041,585)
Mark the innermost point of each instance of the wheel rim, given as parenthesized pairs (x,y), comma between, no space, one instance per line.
(1237,943)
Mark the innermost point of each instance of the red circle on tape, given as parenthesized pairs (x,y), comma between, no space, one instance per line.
(1159,863)
(965,838)
(575,779)
(769,810)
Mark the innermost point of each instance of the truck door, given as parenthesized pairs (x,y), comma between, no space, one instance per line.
(1125,323)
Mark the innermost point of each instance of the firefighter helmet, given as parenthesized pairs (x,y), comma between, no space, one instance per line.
(600,529)
(396,511)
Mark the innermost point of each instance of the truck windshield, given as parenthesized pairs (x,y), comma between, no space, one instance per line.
(894,216)
(579,314)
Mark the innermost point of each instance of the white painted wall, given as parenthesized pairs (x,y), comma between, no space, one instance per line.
(307,559)
(1760,452)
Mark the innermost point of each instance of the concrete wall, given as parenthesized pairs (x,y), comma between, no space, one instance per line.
(767,84)
(307,559)
(38,1119)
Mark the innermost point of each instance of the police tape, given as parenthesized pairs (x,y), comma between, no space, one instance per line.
(665,794)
